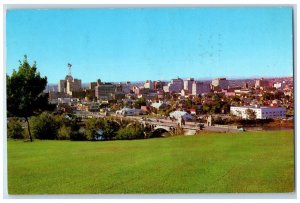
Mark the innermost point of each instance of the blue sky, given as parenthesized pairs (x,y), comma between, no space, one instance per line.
(157,44)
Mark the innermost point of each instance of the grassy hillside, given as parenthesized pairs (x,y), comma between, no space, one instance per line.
(211,163)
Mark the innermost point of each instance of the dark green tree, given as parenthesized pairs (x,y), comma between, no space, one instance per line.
(268,96)
(188,103)
(130,133)
(14,129)
(251,114)
(44,126)
(139,102)
(278,95)
(25,96)
(91,127)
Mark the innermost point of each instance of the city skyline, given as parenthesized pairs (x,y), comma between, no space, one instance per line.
(118,45)
(86,83)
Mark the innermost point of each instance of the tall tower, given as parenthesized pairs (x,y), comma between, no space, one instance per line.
(70,66)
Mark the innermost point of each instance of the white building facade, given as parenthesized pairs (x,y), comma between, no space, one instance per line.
(188,85)
(129,112)
(261,112)
(148,84)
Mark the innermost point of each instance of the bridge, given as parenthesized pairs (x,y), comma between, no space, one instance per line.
(171,127)
(164,124)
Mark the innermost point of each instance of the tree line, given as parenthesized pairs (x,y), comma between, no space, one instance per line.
(48,126)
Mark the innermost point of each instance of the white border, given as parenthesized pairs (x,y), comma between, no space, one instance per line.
(130,3)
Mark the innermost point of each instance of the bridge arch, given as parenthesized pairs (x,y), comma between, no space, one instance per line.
(162,127)
(160,132)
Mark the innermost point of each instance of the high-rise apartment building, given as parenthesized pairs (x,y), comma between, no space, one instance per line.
(220,82)
(148,84)
(176,85)
(200,88)
(69,85)
(188,85)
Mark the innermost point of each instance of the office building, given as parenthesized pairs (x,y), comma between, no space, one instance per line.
(220,82)
(107,90)
(200,88)
(188,85)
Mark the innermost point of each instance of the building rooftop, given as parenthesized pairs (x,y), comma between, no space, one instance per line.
(257,107)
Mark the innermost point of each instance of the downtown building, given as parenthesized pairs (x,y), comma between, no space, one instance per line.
(69,86)
(158,85)
(262,83)
(149,84)
(175,86)
(222,83)
(188,85)
(108,91)
(200,88)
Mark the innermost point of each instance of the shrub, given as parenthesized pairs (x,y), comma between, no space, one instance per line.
(44,126)
(78,135)
(68,120)
(109,128)
(157,133)
(64,133)
(129,133)
(14,129)
(91,126)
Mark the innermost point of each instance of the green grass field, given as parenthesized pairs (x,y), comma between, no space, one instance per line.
(209,163)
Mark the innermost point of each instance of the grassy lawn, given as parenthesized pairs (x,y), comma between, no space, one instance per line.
(210,163)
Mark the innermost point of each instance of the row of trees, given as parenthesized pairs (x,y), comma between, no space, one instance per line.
(48,126)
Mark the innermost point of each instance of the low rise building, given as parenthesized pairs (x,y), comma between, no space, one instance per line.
(53,96)
(261,112)
(228,92)
(278,85)
(106,90)
(239,92)
(64,100)
(181,115)
(159,105)
(184,93)
(129,112)
(93,107)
